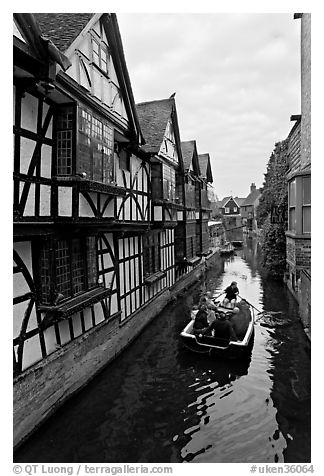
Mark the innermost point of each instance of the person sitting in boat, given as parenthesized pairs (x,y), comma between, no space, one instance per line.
(207,299)
(201,324)
(222,328)
(231,293)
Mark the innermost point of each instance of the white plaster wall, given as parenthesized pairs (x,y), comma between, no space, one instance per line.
(32,352)
(84,207)
(30,204)
(26,152)
(50,340)
(65,201)
(45,200)
(99,316)
(109,211)
(87,318)
(46,162)
(29,106)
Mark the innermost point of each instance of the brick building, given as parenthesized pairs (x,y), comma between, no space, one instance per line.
(299,186)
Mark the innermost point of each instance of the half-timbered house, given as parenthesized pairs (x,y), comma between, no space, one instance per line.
(82,204)
(206,178)
(191,230)
(81,190)
(159,123)
(101,229)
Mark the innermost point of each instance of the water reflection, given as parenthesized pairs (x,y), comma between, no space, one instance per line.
(158,402)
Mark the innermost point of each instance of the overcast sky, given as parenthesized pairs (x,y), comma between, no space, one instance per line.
(236,78)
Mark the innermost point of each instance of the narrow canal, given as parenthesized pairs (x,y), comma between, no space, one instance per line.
(158,402)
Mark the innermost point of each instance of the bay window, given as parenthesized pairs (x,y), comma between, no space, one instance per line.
(299,205)
(292,205)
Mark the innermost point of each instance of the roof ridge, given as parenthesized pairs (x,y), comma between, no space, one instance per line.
(154,100)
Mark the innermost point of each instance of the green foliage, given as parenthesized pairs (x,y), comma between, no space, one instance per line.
(274,194)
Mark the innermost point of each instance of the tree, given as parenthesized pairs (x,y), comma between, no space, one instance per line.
(274,202)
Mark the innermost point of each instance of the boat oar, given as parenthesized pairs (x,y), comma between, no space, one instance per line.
(259,312)
(219,295)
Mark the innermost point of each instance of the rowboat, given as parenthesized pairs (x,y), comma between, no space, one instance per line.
(215,346)
(227,249)
(237,243)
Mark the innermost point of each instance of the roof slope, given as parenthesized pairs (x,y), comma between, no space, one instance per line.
(187,149)
(62,28)
(204,165)
(252,197)
(153,118)
(238,200)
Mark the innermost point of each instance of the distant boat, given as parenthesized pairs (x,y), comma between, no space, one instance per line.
(237,243)
(227,248)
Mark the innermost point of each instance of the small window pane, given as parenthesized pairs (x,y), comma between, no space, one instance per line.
(306,191)
(62,264)
(292,193)
(292,219)
(77,267)
(92,262)
(306,219)
(45,274)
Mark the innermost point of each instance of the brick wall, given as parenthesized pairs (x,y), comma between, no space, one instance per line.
(306,88)
(294,148)
(298,275)
(298,252)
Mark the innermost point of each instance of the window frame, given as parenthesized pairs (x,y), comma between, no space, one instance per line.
(87,257)
(307,205)
(292,205)
(70,108)
(102,47)
(96,136)
(151,254)
(297,206)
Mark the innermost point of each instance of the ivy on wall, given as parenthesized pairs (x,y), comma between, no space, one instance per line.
(274,196)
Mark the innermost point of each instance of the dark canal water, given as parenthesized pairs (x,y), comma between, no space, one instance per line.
(159,403)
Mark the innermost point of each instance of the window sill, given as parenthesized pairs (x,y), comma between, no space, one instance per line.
(89,185)
(73,305)
(204,253)
(292,234)
(193,261)
(153,278)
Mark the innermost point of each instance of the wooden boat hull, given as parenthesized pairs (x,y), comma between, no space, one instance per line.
(227,250)
(219,347)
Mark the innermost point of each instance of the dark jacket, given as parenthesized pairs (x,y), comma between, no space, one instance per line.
(231,293)
(201,321)
(223,329)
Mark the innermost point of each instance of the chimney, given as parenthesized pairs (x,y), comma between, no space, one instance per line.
(253,187)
